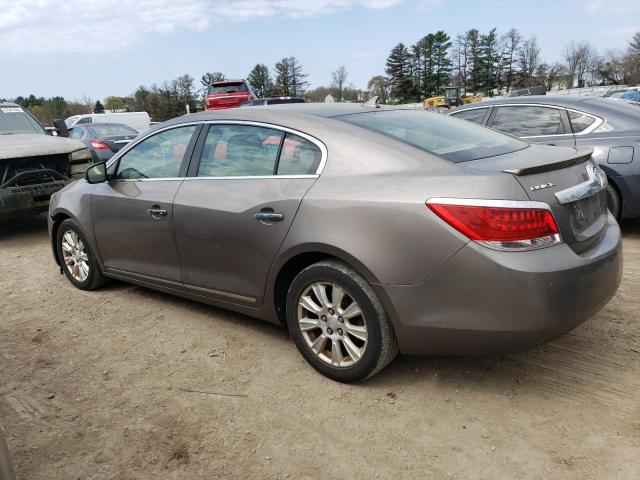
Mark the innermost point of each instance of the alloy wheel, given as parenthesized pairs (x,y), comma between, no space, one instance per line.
(332,324)
(75,256)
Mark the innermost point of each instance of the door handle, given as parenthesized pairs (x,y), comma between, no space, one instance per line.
(269,216)
(156,212)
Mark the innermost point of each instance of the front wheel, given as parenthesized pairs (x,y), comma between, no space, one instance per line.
(338,323)
(78,261)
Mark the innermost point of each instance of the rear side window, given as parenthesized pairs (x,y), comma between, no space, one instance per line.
(580,121)
(232,87)
(528,121)
(475,115)
(436,134)
(239,151)
(298,156)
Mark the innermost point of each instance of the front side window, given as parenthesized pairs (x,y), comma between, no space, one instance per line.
(528,121)
(239,151)
(298,156)
(475,115)
(436,134)
(158,156)
(75,133)
(580,121)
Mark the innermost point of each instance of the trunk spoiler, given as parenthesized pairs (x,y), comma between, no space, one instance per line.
(582,155)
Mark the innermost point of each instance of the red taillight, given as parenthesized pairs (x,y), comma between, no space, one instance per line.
(494,223)
(99,145)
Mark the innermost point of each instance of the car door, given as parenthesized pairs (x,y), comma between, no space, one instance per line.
(536,123)
(132,211)
(233,211)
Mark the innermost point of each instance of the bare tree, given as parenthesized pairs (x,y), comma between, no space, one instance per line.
(511,43)
(579,57)
(379,87)
(338,81)
(528,60)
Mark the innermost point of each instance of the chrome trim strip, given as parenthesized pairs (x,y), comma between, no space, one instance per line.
(596,183)
(480,202)
(210,291)
(598,121)
(252,177)
(523,245)
(315,141)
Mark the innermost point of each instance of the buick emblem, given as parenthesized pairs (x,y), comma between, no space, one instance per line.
(581,218)
(541,187)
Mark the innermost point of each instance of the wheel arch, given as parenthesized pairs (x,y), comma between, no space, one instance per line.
(56,219)
(301,257)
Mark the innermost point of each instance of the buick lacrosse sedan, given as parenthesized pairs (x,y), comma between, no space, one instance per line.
(365,231)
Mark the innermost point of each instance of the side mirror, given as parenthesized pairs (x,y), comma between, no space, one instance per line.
(96,173)
(61,127)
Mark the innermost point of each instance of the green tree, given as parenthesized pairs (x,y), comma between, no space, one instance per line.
(489,63)
(511,43)
(399,72)
(260,80)
(98,108)
(114,103)
(290,79)
(378,86)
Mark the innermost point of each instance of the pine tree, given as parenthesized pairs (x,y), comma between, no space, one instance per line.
(260,81)
(441,62)
(290,79)
(98,107)
(399,71)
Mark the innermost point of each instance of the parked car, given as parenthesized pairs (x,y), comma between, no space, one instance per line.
(139,121)
(376,229)
(611,127)
(228,94)
(261,102)
(33,164)
(103,139)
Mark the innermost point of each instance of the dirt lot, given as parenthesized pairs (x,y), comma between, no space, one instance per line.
(121,383)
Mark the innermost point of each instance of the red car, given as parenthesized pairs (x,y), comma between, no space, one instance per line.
(228,94)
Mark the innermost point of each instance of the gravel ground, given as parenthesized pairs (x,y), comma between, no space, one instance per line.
(126,383)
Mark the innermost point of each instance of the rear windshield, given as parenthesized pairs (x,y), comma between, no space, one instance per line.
(449,138)
(103,129)
(227,88)
(14,120)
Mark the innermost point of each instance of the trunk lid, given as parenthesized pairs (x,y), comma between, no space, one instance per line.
(566,179)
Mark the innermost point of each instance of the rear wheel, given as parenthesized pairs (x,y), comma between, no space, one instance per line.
(78,261)
(613,201)
(338,323)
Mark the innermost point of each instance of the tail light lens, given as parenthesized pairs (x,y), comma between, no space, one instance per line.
(99,145)
(503,225)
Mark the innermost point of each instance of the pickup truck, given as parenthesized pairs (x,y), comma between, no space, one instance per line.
(33,163)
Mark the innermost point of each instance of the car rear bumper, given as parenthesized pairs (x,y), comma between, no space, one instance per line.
(489,302)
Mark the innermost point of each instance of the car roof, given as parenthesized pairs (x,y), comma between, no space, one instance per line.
(101,123)
(304,117)
(594,105)
(8,104)
(239,80)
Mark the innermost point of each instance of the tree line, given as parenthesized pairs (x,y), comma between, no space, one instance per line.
(489,63)
(494,64)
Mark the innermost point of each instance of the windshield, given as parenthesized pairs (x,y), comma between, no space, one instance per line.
(227,88)
(107,129)
(449,138)
(15,120)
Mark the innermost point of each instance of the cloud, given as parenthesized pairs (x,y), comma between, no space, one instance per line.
(28,26)
(615,6)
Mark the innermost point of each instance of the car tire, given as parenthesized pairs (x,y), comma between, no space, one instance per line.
(77,260)
(613,201)
(347,337)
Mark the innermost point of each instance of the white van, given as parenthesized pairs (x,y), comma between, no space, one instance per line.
(139,121)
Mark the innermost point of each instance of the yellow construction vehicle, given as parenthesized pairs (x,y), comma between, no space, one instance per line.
(450,98)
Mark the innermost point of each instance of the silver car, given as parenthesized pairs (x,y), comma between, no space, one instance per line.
(365,231)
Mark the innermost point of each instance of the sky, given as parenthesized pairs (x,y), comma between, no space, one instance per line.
(97,48)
